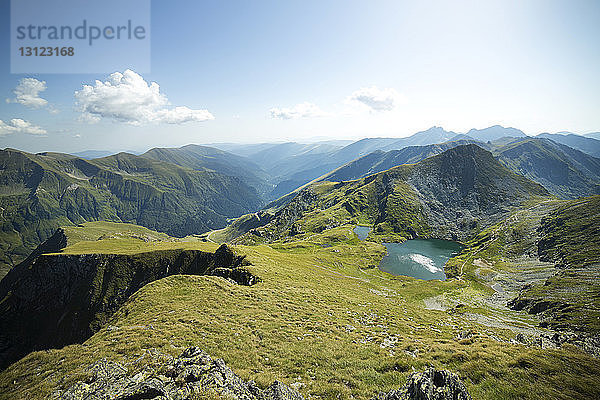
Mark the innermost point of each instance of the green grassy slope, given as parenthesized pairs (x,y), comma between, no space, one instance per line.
(203,157)
(565,172)
(40,192)
(64,295)
(557,243)
(323,318)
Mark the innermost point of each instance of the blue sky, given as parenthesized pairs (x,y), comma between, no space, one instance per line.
(294,70)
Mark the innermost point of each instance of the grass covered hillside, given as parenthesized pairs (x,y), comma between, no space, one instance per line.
(570,299)
(452,195)
(546,260)
(323,320)
(79,286)
(203,157)
(40,192)
(564,171)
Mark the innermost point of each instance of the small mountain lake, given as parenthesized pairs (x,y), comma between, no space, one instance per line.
(419,258)
(362,232)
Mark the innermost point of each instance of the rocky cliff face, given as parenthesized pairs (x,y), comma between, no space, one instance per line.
(54,300)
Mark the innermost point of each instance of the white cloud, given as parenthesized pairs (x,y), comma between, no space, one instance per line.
(126,97)
(17,125)
(179,115)
(376,99)
(372,99)
(302,110)
(28,92)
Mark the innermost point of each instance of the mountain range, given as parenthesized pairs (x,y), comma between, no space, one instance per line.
(275,169)
(587,144)
(207,158)
(41,192)
(295,293)
(451,195)
(193,189)
(564,171)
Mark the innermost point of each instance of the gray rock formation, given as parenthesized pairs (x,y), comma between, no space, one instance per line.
(194,374)
(430,384)
(189,376)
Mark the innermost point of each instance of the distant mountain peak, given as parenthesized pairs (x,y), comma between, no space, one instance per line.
(495,132)
(586,144)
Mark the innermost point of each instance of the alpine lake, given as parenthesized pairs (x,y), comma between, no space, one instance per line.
(418,258)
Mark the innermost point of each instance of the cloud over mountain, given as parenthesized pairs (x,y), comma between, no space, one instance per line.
(127,97)
(371,98)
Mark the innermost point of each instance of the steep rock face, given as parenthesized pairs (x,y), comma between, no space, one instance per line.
(431,384)
(54,300)
(192,373)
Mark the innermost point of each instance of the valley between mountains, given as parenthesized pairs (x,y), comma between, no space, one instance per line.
(132,263)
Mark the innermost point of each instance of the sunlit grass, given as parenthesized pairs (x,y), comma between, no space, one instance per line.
(322,316)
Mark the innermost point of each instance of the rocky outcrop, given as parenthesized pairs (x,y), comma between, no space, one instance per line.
(191,374)
(588,343)
(282,223)
(195,374)
(58,299)
(430,384)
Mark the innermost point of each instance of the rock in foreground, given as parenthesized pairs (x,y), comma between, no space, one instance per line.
(195,375)
(431,384)
(191,375)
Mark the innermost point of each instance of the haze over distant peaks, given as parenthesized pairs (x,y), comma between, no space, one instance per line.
(593,135)
(495,132)
(588,145)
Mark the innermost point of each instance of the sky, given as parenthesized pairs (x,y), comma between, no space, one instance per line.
(258,71)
